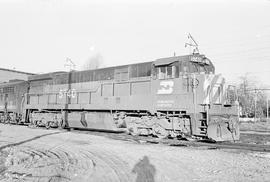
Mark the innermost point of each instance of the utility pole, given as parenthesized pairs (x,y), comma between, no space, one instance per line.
(267,110)
(245,94)
(255,105)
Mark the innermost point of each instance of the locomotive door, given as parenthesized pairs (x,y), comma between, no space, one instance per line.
(5,107)
(6,103)
(163,86)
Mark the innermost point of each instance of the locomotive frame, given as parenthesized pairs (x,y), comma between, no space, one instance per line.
(175,96)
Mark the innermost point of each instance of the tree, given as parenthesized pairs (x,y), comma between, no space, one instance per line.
(251,98)
(93,62)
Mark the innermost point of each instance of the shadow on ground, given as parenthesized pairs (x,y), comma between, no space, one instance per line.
(145,170)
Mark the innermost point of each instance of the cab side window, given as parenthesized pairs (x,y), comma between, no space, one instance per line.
(161,71)
(167,72)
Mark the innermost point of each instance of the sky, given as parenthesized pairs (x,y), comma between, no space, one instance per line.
(39,35)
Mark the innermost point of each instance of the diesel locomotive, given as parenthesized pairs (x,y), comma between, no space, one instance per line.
(179,96)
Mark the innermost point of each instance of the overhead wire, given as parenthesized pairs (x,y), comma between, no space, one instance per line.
(246,42)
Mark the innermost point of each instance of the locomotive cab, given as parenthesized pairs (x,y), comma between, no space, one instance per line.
(167,68)
(189,85)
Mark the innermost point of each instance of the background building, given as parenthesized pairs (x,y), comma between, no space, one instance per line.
(7,74)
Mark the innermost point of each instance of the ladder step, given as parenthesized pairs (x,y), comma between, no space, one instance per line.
(204,104)
(201,134)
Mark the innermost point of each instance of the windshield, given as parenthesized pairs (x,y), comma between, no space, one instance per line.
(198,64)
(200,68)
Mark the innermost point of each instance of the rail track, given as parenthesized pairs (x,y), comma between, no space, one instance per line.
(250,144)
(239,145)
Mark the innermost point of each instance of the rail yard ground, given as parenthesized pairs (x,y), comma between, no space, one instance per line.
(28,154)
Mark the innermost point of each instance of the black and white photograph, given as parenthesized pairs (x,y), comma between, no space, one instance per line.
(134,90)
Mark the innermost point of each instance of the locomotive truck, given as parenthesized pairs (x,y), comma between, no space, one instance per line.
(174,96)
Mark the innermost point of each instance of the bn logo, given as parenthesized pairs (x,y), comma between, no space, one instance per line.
(165,87)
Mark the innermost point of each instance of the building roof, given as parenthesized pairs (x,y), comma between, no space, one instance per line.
(15,71)
(10,83)
(44,76)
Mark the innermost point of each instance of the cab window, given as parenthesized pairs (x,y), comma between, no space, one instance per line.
(167,72)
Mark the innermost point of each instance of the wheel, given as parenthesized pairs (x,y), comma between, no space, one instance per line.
(173,134)
(144,131)
(48,125)
(39,123)
(34,123)
(56,124)
(133,130)
(160,132)
(61,124)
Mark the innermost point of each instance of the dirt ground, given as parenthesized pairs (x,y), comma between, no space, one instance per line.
(57,155)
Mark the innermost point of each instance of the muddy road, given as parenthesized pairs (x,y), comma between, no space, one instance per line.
(57,155)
